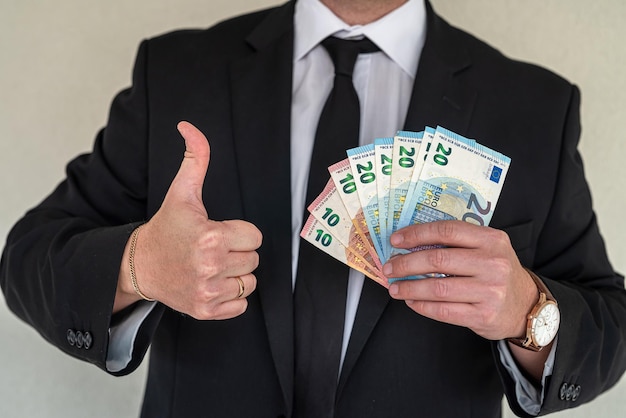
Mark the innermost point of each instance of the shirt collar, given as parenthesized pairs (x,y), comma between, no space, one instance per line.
(400,34)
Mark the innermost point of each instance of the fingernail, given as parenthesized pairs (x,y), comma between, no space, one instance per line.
(393,289)
(387,269)
(396,239)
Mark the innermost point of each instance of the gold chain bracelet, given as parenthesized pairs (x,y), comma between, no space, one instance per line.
(131,264)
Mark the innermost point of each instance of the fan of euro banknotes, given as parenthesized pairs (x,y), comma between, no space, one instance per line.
(412,178)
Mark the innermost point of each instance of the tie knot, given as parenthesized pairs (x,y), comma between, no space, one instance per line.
(344,52)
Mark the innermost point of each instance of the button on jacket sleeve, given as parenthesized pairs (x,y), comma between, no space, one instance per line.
(74,240)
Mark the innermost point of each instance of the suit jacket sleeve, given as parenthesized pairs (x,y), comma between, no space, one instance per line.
(572,261)
(60,266)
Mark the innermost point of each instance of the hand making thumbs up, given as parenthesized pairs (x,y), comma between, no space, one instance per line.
(185,260)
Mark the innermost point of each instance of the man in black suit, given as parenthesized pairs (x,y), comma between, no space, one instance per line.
(431,348)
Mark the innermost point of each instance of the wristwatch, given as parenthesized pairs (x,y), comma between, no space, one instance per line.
(543,320)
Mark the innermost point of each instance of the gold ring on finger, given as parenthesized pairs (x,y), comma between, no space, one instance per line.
(242,288)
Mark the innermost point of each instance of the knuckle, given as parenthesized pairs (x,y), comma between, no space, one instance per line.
(438,259)
(210,265)
(210,269)
(411,233)
(418,306)
(498,294)
(258,237)
(255,260)
(252,234)
(243,306)
(212,238)
(443,312)
(441,288)
(446,230)
(489,317)
(500,236)
(203,312)
(196,315)
(253,283)
(401,265)
(210,313)
(501,267)
(233,309)
(209,294)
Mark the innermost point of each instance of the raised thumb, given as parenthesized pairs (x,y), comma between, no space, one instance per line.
(187,184)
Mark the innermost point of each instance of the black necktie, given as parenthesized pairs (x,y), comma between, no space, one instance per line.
(321,281)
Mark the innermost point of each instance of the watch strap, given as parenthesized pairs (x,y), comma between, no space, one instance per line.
(541,285)
(544,295)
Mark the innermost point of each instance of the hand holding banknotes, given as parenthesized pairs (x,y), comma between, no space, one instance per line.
(185,260)
(412,213)
(488,290)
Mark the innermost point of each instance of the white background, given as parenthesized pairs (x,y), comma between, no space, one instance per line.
(62,61)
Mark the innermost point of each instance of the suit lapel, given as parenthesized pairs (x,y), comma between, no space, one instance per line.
(439,97)
(261,90)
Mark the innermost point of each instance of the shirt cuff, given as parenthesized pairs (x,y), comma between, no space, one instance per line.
(122,337)
(529,397)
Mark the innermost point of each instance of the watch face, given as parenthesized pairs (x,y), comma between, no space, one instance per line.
(546,324)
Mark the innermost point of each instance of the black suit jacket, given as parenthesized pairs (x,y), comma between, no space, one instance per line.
(61,263)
